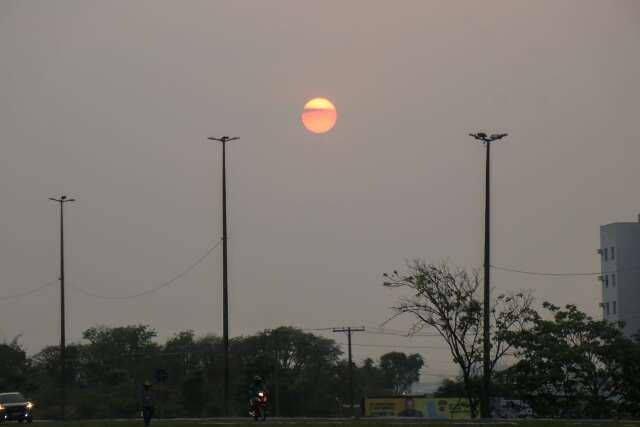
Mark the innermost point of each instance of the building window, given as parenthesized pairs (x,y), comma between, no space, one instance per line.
(606,306)
(613,253)
(606,281)
(605,254)
(613,280)
(614,307)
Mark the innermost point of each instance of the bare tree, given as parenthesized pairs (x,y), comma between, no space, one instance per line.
(447,300)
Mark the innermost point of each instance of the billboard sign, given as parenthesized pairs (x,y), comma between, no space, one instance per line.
(444,408)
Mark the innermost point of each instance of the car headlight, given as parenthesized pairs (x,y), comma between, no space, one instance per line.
(29,405)
(1,408)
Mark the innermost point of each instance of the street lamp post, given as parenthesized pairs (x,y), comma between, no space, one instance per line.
(485,402)
(225,294)
(63,363)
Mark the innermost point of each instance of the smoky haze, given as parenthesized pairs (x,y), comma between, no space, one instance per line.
(111,103)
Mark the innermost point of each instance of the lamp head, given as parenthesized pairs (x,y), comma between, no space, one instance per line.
(223,139)
(483,137)
(497,136)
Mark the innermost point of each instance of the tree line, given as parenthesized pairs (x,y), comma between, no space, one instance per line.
(306,374)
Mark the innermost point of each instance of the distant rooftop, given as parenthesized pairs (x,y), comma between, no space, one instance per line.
(626,222)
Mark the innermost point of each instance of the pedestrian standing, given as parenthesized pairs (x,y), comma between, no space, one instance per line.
(147,403)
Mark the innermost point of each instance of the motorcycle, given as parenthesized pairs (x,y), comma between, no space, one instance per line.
(259,407)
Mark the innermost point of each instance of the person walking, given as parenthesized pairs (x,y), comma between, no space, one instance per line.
(147,403)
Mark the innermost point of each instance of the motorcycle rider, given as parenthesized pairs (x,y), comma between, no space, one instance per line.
(256,386)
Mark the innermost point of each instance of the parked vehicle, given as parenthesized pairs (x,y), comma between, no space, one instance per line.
(14,407)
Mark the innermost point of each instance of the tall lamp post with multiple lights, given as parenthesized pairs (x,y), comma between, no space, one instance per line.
(485,407)
(63,362)
(225,294)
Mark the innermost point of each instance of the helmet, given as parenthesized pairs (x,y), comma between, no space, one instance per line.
(257,379)
(147,383)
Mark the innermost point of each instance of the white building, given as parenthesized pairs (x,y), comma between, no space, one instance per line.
(620,265)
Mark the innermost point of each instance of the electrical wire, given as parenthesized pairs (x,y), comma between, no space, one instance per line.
(454,369)
(382,329)
(155,288)
(376,331)
(424,347)
(538,273)
(398,334)
(29,292)
(418,347)
(437,375)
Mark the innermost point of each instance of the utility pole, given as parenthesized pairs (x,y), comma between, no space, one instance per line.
(485,401)
(225,293)
(277,385)
(276,369)
(63,360)
(349,330)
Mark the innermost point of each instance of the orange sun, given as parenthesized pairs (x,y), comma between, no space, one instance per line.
(319,115)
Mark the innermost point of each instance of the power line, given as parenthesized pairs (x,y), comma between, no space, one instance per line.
(377,331)
(403,335)
(397,331)
(426,370)
(157,287)
(442,363)
(437,375)
(538,273)
(29,292)
(424,347)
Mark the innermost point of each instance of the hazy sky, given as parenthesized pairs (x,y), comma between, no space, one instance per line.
(111,103)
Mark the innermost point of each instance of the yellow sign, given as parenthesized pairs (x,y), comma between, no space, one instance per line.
(445,408)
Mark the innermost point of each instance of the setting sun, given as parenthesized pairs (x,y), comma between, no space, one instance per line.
(319,115)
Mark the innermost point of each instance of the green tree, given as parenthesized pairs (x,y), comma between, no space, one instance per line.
(630,375)
(194,365)
(400,370)
(209,350)
(448,300)
(371,380)
(570,365)
(14,366)
(455,388)
(296,365)
(116,361)
(46,377)
(194,398)
(305,372)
